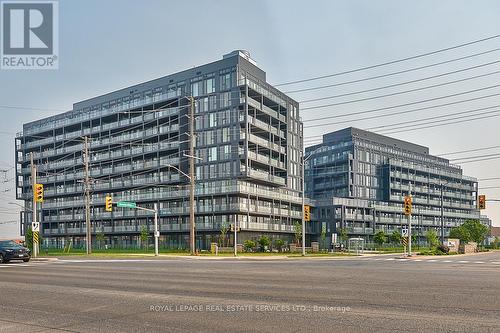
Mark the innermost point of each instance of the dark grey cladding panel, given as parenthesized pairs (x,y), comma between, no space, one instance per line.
(162,81)
(349,132)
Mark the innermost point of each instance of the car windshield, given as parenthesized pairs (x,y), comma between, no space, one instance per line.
(8,244)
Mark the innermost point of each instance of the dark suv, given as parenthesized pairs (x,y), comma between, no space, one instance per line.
(10,250)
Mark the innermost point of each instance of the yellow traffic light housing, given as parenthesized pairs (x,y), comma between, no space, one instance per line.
(38,194)
(407,205)
(109,203)
(307,213)
(482,202)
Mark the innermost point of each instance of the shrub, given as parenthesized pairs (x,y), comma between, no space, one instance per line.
(443,248)
(279,243)
(249,245)
(264,242)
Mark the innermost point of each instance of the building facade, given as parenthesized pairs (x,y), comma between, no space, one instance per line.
(358,181)
(248,150)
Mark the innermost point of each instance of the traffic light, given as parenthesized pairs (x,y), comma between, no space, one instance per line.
(307,213)
(482,202)
(109,203)
(38,193)
(231,227)
(407,205)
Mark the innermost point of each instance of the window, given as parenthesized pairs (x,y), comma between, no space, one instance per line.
(197,88)
(225,81)
(212,154)
(210,84)
(212,119)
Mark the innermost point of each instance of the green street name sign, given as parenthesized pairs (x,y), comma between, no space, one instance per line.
(126,204)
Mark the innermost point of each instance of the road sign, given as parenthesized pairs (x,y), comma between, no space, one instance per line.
(404,232)
(126,204)
(35,226)
(35,237)
(405,241)
(157,234)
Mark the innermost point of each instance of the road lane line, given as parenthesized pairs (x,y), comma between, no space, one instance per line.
(479,262)
(431,260)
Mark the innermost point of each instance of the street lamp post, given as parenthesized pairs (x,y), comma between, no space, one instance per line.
(304,160)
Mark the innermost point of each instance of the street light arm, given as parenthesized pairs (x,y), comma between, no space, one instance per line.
(25,208)
(182,172)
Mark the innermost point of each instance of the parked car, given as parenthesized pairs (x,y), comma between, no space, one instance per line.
(10,250)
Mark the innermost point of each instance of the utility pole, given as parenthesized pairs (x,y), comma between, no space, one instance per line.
(87,196)
(191,177)
(442,215)
(235,237)
(303,206)
(156,232)
(409,223)
(33,181)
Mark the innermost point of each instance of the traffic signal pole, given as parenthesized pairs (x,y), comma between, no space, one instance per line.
(33,181)
(409,223)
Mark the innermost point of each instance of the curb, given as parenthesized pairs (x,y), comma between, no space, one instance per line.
(43,259)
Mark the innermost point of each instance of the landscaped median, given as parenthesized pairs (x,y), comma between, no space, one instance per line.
(136,253)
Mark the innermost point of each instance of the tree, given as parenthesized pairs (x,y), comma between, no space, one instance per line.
(460,233)
(144,236)
(323,237)
(100,238)
(297,228)
(470,230)
(279,243)
(264,242)
(249,244)
(343,235)
(396,237)
(28,239)
(380,237)
(432,238)
(223,231)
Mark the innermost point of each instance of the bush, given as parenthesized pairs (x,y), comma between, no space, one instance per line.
(249,245)
(264,243)
(279,243)
(443,248)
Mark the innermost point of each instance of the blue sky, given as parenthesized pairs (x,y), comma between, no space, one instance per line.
(107,45)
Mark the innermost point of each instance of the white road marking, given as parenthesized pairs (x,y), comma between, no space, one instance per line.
(417,260)
(388,259)
(447,261)
(479,262)
(463,261)
(431,260)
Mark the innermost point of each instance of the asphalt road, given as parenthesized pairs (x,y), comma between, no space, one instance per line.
(374,294)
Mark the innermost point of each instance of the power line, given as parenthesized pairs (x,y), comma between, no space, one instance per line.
(399,113)
(392,73)
(468,151)
(438,125)
(406,104)
(409,82)
(389,62)
(443,122)
(475,156)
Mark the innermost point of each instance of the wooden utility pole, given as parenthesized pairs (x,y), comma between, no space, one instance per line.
(191,178)
(87,196)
